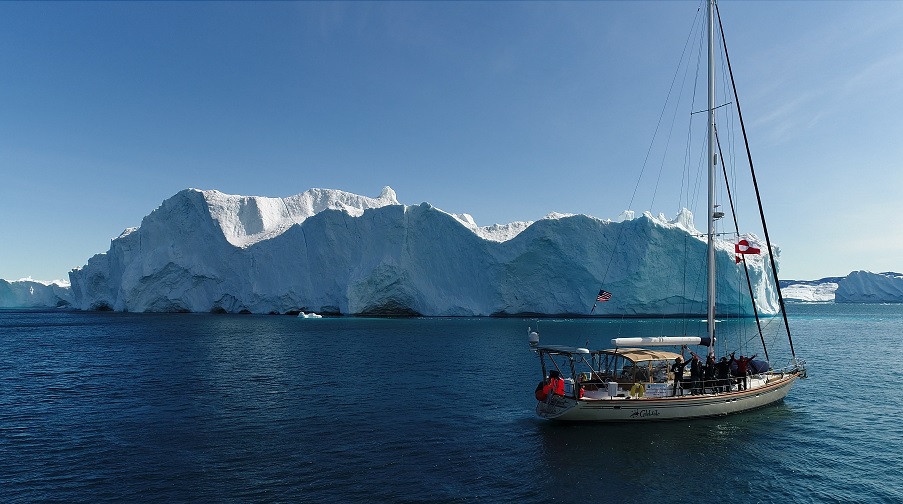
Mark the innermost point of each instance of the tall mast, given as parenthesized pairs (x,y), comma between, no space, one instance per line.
(711,169)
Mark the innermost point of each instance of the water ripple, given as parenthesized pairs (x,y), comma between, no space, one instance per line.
(114,407)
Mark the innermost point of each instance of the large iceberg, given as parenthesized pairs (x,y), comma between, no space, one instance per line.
(334,252)
(868,287)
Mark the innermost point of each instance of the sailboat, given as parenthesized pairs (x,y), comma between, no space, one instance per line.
(640,378)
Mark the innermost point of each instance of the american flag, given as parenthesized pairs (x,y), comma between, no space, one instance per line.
(603,296)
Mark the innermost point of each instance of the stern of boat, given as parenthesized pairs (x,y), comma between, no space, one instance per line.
(554,406)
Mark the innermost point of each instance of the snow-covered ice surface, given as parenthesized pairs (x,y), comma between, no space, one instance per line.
(246,220)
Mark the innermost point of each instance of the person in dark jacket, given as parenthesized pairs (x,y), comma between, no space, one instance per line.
(723,374)
(708,374)
(696,373)
(678,369)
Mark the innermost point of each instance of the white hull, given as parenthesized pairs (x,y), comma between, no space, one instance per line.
(626,409)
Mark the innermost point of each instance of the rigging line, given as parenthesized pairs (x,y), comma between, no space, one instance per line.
(729,122)
(716,108)
(730,200)
(691,194)
(664,107)
(651,144)
(648,154)
(673,121)
(774,268)
(684,279)
(697,188)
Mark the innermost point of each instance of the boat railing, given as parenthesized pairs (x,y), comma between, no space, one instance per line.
(604,380)
(795,366)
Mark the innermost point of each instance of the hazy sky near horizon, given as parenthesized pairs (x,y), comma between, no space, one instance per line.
(504,110)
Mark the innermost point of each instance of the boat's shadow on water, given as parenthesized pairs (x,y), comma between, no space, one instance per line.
(646,461)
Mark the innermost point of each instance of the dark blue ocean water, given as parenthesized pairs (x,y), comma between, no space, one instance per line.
(107,407)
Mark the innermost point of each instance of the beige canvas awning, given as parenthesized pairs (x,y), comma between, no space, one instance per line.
(641,354)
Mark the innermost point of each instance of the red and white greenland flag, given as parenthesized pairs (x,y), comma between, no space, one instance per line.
(744,247)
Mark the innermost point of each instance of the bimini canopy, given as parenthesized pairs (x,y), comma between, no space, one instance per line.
(640,354)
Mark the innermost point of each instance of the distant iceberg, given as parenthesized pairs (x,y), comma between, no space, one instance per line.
(868,287)
(857,287)
(28,293)
(809,292)
(333,252)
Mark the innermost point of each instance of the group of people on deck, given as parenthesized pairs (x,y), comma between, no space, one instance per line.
(715,376)
(711,375)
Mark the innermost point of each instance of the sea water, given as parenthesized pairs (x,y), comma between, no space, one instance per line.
(112,407)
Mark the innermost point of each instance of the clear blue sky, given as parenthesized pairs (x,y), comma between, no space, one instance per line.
(506,111)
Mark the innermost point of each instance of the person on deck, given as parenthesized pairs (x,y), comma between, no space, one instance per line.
(743,371)
(723,373)
(696,373)
(708,373)
(555,385)
(678,369)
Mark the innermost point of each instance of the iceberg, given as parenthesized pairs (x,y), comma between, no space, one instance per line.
(332,252)
(28,293)
(868,287)
(806,291)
